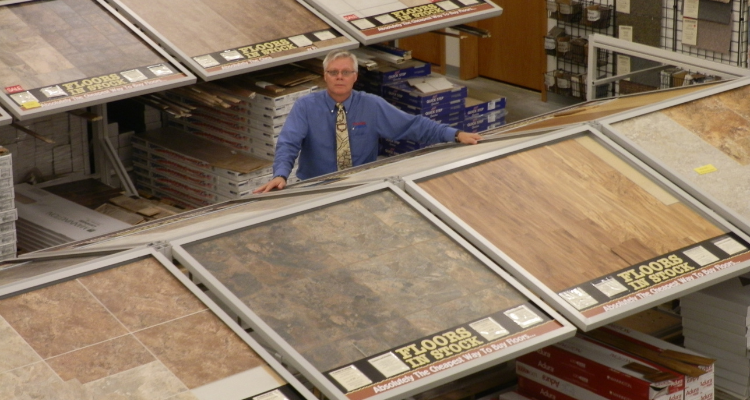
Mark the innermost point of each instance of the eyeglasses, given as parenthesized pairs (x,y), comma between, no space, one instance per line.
(345,74)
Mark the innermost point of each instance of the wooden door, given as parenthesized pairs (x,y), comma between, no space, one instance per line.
(428,47)
(515,52)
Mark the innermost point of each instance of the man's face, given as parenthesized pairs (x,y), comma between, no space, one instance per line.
(340,86)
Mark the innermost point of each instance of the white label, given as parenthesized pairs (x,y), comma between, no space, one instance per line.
(523,316)
(489,329)
(491,118)
(626,33)
(623,64)
(385,19)
(550,43)
(388,364)
(23,98)
(730,246)
(690,8)
(206,61)
(363,24)
(563,47)
(300,40)
(593,15)
(565,8)
(272,395)
(491,105)
(53,91)
(468,2)
(578,298)
(447,5)
(160,70)
(701,256)
(610,287)
(623,6)
(231,55)
(689,31)
(324,35)
(350,378)
(133,75)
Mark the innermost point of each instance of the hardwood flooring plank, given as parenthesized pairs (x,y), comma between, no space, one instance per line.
(566,215)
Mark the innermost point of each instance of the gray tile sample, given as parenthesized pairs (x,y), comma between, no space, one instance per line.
(346,281)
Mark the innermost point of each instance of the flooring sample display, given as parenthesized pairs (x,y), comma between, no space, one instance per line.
(381,20)
(685,139)
(357,287)
(219,38)
(585,227)
(133,330)
(62,54)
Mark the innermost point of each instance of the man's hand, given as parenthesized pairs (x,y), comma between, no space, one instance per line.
(278,182)
(468,138)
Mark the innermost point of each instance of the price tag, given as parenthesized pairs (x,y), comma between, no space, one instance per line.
(690,9)
(689,31)
(623,6)
(625,33)
(706,169)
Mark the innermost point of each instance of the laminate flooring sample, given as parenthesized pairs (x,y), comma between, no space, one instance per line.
(346,281)
(202,27)
(133,331)
(714,130)
(568,212)
(44,43)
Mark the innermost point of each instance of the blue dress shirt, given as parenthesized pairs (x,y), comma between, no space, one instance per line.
(310,132)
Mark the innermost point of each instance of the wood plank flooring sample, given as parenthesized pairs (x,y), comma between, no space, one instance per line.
(564,214)
(347,281)
(206,27)
(131,331)
(713,131)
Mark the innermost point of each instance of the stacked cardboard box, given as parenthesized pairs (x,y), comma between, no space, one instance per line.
(483,111)
(375,80)
(715,321)
(628,366)
(45,220)
(194,171)
(432,97)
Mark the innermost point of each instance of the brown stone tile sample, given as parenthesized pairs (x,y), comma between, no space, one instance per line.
(199,349)
(342,282)
(60,318)
(43,43)
(201,27)
(564,214)
(723,121)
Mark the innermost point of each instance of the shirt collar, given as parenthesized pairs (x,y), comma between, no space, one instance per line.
(332,104)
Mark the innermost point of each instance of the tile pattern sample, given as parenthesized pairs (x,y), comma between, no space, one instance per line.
(44,43)
(714,130)
(199,27)
(133,331)
(566,213)
(346,281)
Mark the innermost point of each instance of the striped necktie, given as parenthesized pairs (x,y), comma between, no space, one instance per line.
(343,152)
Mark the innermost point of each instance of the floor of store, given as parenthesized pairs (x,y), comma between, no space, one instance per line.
(521,103)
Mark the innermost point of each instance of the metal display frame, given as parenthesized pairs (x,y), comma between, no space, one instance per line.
(414,24)
(668,58)
(606,126)
(563,331)
(240,67)
(181,77)
(598,315)
(5,118)
(124,257)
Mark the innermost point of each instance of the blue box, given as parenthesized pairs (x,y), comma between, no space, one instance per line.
(481,102)
(483,122)
(392,73)
(437,110)
(404,93)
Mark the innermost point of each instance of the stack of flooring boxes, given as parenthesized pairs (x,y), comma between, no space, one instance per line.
(194,171)
(715,321)
(483,111)
(615,363)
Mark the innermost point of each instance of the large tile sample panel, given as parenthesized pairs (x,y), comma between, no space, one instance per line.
(369,296)
(588,230)
(131,330)
(705,142)
(376,21)
(226,37)
(62,54)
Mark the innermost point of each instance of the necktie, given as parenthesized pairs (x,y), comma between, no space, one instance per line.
(343,152)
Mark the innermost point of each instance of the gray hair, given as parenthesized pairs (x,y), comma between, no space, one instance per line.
(336,54)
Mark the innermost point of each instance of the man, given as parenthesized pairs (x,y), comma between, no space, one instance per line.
(311,128)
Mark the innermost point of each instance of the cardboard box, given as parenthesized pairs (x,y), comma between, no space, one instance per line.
(550,382)
(406,94)
(482,102)
(483,122)
(387,73)
(434,111)
(533,390)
